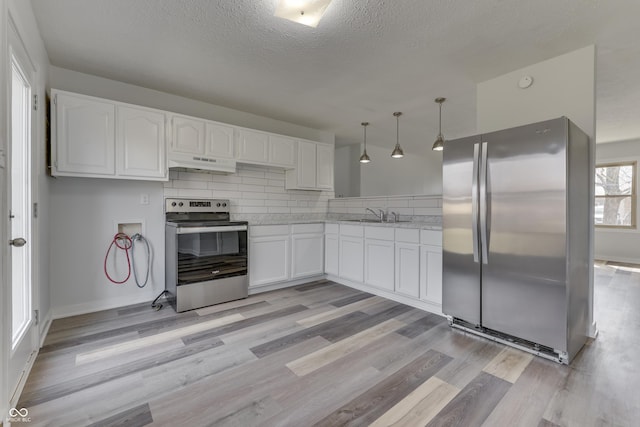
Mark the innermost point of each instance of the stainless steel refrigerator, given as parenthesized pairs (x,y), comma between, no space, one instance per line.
(516,229)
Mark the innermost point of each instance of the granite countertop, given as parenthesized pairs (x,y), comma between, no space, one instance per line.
(402,224)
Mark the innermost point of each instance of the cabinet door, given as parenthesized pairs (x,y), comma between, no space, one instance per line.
(324,166)
(141,143)
(307,255)
(408,269)
(282,151)
(331,254)
(431,274)
(352,258)
(253,146)
(268,260)
(379,263)
(85,135)
(306,168)
(188,135)
(219,141)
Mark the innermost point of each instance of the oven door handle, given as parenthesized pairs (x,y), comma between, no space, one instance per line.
(220,229)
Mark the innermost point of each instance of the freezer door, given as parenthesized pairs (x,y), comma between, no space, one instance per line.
(524,273)
(461,257)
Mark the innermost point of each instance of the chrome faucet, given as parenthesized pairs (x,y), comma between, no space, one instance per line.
(396,217)
(381,216)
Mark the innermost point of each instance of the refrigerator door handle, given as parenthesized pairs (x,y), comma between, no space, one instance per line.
(474,201)
(483,204)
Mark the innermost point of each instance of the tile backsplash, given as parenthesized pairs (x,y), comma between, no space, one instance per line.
(255,192)
(414,208)
(257,195)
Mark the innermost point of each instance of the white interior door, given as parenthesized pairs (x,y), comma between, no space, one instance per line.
(23,331)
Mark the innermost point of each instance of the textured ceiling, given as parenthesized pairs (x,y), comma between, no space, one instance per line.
(365,60)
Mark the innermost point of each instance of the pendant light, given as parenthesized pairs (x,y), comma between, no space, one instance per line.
(397,151)
(365,157)
(439,144)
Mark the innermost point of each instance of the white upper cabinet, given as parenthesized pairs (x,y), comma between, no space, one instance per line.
(188,135)
(314,170)
(219,140)
(83,136)
(266,149)
(98,138)
(253,147)
(324,166)
(282,151)
(140,143)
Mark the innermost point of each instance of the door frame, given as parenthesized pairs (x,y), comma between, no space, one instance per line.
(13,44)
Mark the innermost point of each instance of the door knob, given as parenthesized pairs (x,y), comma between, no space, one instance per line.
(18,243)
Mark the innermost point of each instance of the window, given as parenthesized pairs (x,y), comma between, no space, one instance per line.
(616,195)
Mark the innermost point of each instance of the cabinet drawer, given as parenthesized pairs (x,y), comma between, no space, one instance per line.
(431,237)
(331,228)
(317,228)
(351,230)
(380,233)
(268,230)
(407,235)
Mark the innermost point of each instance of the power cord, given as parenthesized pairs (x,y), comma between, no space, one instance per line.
(155,305)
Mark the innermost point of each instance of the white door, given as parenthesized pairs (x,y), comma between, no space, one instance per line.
(378,264)
(141,143)
(408,269)
(188,135)
(253,146)
(22,331)
(324,166)
(282,151)
(269,261)
(306,164)
(220,141)
(85,135)
(307,253)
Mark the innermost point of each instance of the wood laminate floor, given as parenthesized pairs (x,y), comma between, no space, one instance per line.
(323,354)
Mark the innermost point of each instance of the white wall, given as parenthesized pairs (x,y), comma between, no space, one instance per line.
(562,86)
(347,170)
(77,288)
(412,174)
(618,244)
(85,214)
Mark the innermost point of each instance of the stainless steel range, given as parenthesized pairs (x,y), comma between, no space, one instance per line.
(205,252)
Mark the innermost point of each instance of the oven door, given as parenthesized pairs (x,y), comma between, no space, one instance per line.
(205,265)
(211,253)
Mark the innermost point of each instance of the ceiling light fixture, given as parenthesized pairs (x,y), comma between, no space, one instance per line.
(305,12)
(397,151)
(365,157)
(439,144)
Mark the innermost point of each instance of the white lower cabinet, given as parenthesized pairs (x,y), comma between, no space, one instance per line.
(431,274)
(351,265)
(408,269)
(379,257)
(278,253)
(268,254)
(332,249)
(307,244)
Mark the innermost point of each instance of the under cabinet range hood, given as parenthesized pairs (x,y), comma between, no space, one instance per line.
(200,163)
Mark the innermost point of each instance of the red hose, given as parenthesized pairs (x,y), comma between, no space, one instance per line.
(122,241)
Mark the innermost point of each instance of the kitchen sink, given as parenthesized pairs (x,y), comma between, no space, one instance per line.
(374,221)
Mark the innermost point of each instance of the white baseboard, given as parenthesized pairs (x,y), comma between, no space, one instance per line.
(44,330)
(15,398)
(617,259)
(106,304)
(422,305)
(280,285)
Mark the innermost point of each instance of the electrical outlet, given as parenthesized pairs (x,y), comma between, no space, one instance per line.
(144,199)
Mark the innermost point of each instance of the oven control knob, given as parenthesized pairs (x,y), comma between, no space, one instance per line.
(173,204)
(224,205)
(218,205)
(180,204)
